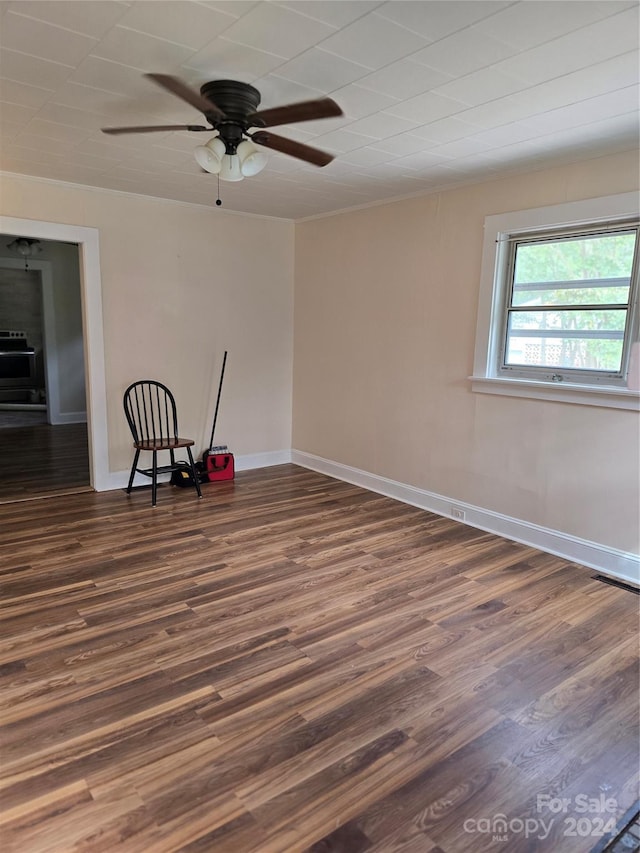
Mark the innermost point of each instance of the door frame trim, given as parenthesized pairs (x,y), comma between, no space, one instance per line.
(93,330)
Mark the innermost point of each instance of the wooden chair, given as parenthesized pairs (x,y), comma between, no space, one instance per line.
(150,409)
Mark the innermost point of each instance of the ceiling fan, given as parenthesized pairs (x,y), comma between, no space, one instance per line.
(231,108)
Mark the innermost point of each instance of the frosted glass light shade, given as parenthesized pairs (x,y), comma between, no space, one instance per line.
(252,160)
(230,168)
(209,156)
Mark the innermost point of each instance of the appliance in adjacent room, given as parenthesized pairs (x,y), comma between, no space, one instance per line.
(18,380)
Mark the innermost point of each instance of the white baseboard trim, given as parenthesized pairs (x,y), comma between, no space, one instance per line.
(622,565)
(69,418)
(119,479)
(262,460)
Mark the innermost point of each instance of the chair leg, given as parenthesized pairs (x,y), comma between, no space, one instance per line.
(154,478)
(133,471)
(194,473)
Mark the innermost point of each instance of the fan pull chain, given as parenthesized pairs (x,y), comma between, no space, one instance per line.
(219,200)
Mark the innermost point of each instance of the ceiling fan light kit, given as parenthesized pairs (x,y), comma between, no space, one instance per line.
(230,168)
(231,108)
(209,156)
(27,247)
(252,160)
(247,160)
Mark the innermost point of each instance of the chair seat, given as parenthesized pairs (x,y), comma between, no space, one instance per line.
(163,443)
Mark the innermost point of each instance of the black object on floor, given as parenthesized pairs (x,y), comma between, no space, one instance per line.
(613,582)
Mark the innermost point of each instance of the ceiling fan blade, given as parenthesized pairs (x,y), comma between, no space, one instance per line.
(303,111)
(177,87)
(153,127)
(294,149)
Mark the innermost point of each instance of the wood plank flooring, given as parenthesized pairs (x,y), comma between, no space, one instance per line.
(43,460)
(295,664)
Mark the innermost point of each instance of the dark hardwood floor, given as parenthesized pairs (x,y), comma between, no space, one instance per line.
(295,664)
(42,460)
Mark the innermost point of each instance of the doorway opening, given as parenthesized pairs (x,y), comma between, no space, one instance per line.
(43,418)
(90,420)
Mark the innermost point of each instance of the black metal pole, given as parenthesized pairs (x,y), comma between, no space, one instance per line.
(215,416)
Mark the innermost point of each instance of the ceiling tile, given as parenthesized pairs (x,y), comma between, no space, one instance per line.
(435,20)
(578,49)
(337,14)
(222,59)
(480,87)
(91,160)
(619,72)
(32,70)
(235,8)
(9,129)
(82,97)
(72,116)
(373,42)
(622,101)
(98,73)
(326,71)
(461,147)
(277,30)
(92,19)
(463,52)
(419,160)
(357,101)
(188,23)
(70,173)
(18,113)
(427,107)
(342,140)
(19,150)
(446,129)
(276,90)
(400,145)
(147,53)
(32,141)
(21,93)
(45,40)
(502,111)
(53,130)
(527,24)
(180,141)
(507,134)
(584,135)
(366,157)
(381,125)
(404,79)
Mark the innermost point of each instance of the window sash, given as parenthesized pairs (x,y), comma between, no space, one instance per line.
(573,374)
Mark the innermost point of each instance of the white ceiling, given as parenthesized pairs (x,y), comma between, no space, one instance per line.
(434,94)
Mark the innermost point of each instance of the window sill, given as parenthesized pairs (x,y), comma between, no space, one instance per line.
(584,395)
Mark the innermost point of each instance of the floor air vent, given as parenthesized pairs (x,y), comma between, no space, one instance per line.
(613,582)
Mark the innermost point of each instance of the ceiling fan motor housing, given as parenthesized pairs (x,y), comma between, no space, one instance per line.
(237,101)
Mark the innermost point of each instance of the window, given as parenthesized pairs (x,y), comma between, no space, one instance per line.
(558,304)
(567,315)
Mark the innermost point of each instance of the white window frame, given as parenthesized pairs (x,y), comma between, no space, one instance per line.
(494,288)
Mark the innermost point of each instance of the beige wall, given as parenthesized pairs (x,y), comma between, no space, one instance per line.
(180,284)
(385,317)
